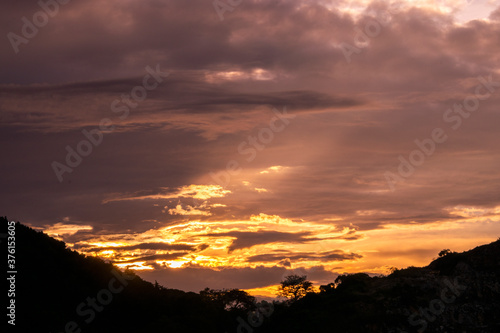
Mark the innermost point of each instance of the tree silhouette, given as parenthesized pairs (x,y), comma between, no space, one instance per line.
(229,299)
(327,288)
(72,280)
(444,252)
(294,287)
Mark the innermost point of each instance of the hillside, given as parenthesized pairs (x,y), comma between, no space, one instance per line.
(459,292)
(55,287)
(59,290)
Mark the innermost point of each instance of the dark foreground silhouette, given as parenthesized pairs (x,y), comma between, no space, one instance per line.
(59,290)
(458,292)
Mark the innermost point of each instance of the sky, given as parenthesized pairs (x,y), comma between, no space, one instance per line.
(227,144)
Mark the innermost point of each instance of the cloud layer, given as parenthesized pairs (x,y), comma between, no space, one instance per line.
(269,144)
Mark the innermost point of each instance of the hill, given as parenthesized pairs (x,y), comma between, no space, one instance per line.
(458,292)
(59,290)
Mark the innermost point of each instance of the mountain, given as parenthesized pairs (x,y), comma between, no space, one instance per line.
(458,292)
(59,290)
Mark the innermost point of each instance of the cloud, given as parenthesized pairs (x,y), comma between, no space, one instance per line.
(165,256)
(274,168)
(145,246)
(64,229)
(201,192)
(495,15)
(248,239)
(335,255)
(324,173)
(178,210)
(197,278)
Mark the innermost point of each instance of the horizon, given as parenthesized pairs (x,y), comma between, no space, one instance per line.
(272,295)
(204,144)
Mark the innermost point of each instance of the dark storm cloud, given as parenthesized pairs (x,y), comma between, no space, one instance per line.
(184,35)
(92,41)
(56,108)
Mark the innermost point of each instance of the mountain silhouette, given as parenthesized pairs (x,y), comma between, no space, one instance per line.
(59,290)
(458,292)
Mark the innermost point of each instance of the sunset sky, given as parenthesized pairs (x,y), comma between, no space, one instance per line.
(227,144)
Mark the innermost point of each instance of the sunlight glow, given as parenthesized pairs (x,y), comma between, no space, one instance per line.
(60,229)
(294,244)
(201,192)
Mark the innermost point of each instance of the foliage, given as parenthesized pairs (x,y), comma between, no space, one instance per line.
(444,252)
(393,270)
(354,282)
(56,280)
(295,287)
(229,299)
(327,288)
(53,281)
(400,302)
